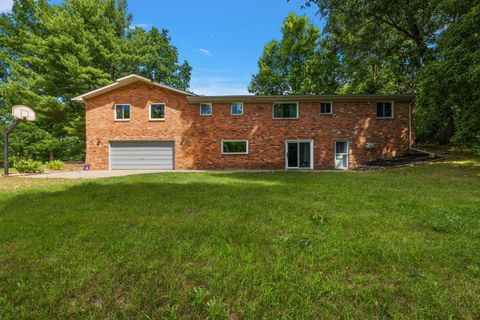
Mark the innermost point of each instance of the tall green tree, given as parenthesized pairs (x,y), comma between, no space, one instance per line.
(383,46)
(55,52)
(450,85)
(291,65)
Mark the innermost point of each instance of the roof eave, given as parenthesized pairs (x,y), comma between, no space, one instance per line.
(123,82)
(302,98)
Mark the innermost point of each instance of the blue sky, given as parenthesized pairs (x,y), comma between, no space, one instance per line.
(221,39)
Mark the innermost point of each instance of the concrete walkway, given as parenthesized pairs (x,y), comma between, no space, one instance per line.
(91,174)
(97,174)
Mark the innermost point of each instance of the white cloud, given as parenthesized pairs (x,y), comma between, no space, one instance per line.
(6,6)
(144,26)
(205,52)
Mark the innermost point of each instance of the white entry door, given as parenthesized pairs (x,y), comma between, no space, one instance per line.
(341,155)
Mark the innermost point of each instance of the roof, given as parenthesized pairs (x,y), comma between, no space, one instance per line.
(303,98)
(123,82)
(193,98)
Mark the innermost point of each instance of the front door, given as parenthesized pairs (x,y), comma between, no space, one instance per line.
(341,155)
(299,155)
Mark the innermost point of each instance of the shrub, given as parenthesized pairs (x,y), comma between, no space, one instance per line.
(55,165)
(28,166)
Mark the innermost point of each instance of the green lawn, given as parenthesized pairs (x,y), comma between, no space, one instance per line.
(400,243)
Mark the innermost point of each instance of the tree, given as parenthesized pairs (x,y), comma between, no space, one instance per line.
(56,52)
(450,86)
(383,46)
(291,65)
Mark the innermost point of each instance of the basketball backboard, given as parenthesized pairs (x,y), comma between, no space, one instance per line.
(23,113)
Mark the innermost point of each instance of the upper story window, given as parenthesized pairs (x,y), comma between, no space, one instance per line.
(157,111)
(237,109)
(205,109)
(122,112)
(325,108)
(285,110)
(385,110)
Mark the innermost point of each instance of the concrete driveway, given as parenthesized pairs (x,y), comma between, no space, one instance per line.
(92,174)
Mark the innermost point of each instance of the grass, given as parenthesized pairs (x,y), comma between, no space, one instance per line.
(400,243)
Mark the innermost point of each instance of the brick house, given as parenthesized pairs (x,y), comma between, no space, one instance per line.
(135,123)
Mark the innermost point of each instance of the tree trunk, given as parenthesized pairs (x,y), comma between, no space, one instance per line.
(449,131)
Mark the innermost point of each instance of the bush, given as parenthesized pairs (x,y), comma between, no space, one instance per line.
(55,165)
(28,166)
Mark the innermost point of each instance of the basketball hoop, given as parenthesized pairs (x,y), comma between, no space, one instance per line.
(23,113)
(19,113)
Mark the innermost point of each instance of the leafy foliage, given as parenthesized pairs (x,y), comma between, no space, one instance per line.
(51,53)
(450,96)
(55,165)
(298,63)
(378,46)
(28,166)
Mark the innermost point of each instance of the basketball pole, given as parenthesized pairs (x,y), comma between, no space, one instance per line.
(5,145)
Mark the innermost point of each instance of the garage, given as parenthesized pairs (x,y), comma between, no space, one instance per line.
(142,155)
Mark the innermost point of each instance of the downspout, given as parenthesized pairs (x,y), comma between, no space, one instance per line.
(410,123)
(410,129)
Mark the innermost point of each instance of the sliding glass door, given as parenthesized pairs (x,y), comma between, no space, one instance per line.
(299,155)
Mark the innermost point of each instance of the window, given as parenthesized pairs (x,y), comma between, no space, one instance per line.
(237,109)
(122,112)
(385,110)
(157,111)
(285,110)
(205,109)
(325,108)
(234,146)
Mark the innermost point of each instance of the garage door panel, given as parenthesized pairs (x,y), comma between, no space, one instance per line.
(158,155)
(142,154)
(133,158)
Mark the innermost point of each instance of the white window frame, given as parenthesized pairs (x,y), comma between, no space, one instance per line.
(211,109)
(393,110)
(331,108)
(229,140)
(285,118)
(298,155)
(231,109)
(150,111)
(115,111)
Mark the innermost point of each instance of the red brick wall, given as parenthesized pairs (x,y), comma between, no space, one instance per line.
(198,138)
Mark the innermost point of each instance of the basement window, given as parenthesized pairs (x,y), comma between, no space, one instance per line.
(325,108)
(234,146)
(205,109)
(385,110)
(285,110)
(122,112)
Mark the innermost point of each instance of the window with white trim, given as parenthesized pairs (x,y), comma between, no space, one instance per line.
(325,108)
(122,112)
(235,146)
(157,111)
(285,110)
(385,110)
(205,109)
(237,109)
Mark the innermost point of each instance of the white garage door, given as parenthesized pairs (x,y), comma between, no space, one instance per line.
(141,155)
